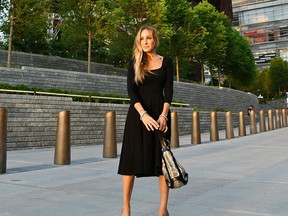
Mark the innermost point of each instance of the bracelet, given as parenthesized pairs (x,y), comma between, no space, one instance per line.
(164,117)
(142,114)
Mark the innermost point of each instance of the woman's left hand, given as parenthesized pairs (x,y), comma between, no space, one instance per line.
(162,124)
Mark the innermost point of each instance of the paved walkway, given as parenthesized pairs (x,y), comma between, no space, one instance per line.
(244,176)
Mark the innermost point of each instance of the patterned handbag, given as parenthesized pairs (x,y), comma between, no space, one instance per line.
(174,173)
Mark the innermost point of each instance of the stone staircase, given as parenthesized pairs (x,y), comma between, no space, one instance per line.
(61,79)
(32,120)
(199,96)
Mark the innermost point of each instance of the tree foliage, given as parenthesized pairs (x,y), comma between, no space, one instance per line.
(127,18)
(213,39)
(278,73)
(178,15)
(264,83)
(104,31)
(84,24)
(239,62)
(271,81)
(31,23)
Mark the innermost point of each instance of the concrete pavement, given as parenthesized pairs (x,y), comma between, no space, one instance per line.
(244,176)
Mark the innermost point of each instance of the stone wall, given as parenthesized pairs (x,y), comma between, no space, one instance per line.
(197,96)
(32,120)
(203,97)
(19,59)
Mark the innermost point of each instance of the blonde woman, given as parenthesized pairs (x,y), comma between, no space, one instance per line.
(150,88)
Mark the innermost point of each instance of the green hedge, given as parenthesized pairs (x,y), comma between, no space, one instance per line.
(109,96)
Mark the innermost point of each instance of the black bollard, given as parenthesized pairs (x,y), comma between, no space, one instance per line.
(3,140)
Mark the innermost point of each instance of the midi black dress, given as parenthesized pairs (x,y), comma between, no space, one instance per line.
(141,149)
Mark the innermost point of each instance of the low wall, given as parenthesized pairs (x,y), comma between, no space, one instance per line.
(19,59)
(32,120)
(58,76)
(203,97)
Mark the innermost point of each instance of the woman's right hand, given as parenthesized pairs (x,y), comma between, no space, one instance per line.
(149,122)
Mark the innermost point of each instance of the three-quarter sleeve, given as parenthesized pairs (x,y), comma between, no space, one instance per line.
(168,91)
(132,87)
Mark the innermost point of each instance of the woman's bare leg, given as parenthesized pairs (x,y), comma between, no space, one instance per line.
(164,193)
(128,182)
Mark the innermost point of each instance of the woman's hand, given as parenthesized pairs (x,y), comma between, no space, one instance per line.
(149,122)
(162,121)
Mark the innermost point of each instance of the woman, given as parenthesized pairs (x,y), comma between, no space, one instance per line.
(150,88)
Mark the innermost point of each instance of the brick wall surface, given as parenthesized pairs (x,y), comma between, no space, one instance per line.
(32,120)
(197,96)
(19,59)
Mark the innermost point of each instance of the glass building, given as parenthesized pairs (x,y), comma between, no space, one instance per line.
(265,24)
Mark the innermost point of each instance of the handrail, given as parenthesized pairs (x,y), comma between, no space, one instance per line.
(75,95)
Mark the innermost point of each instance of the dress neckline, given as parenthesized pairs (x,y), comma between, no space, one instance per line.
(160,66)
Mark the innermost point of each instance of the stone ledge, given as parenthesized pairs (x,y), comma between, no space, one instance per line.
(87,128)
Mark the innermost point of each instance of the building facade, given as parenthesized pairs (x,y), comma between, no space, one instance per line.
(265,24)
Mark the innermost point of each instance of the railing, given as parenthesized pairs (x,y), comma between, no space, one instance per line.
(80,96)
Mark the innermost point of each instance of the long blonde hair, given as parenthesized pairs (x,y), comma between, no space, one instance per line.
(140,57)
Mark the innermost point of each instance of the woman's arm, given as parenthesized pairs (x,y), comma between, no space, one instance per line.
(147,120)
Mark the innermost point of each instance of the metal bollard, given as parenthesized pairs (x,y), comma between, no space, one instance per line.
(62,147)
(253,126)
(262,121)
(270,120)
(195,129)
(229,126)
(214,133)
(241,124)
(174,141)
(110,145)
(277,119)
(284,118)
(3,140)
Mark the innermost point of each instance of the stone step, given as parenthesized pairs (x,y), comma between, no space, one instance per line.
(196,95)
(30,118)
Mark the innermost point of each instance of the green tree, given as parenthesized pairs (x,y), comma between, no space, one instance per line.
(264,83)
(27,23)
(212,42)
(239,64)
(178,15)
(278,73)
(83,22)
(127,18)
(3,19)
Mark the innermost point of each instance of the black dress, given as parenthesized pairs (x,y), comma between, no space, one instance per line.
(141,149)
